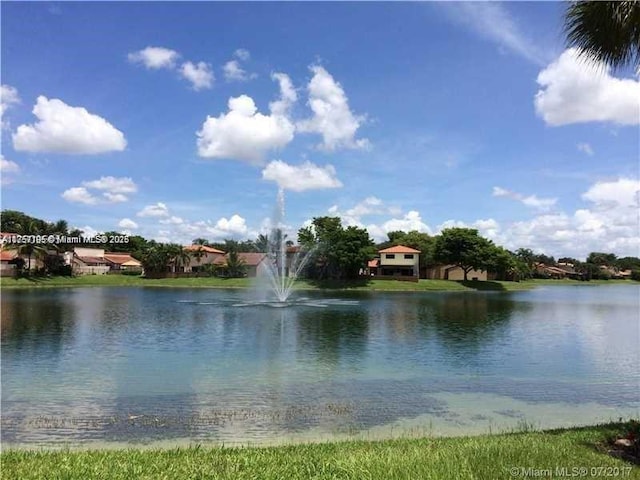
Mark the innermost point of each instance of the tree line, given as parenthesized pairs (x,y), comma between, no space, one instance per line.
(336,252)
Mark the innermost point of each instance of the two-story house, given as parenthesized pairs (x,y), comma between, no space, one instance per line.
(399,261)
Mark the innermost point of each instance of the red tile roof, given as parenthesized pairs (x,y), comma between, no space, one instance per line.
(204,248)
(98,260)
(119,258)
(6,255)
(399,249)
(373,263)
(249,259)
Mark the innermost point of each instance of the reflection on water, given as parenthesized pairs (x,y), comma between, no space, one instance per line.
(144,364)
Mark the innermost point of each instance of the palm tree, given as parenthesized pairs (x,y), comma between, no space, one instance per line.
(155,259)
(183,257)
(198,254)
(262,243)
(179,256)
(235,265)
(605,31)
(31,250)
(61,227)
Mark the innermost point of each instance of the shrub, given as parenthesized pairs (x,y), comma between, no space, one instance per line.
(131,273)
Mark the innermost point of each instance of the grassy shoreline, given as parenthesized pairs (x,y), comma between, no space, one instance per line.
(510,455)
(357,285)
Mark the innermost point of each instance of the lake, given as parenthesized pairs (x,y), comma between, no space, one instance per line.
(162,366)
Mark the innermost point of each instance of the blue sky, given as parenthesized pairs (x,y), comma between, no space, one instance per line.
(177,121)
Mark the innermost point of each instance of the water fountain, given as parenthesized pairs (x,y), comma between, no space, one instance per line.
(278,273)
(280,270)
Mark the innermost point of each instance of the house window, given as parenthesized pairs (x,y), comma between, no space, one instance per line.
(391,255)
(408,255)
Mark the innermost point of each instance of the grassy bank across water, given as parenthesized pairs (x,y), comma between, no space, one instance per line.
(550,454)
(356,285)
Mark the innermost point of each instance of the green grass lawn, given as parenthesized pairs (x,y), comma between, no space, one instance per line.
(516,455)
(358,285)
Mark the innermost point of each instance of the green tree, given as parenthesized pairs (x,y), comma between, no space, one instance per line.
(542,258)
(155,259)
(198,254)
(200,241)
(465,248)
(337,252)
(235,267)
(571,260)
(506,265)
(600,258)
(628,263)
(179,256)
(262,243)
(526,262)
(605,31)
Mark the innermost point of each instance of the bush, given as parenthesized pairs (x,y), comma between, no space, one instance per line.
(131,273)
(635,275)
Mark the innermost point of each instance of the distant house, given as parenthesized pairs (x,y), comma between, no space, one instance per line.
(251,261)
(120,261)
(87,261)
(454,272)
(372,266)
(5,245)
(201,255)
(562,270)
(399,262)
(615,272)
(7,268)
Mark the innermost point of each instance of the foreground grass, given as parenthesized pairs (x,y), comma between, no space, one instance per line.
(484,457)
(357,285)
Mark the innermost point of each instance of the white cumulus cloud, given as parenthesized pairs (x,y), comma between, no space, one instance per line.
(8,97)
(172,220)
(578,90)
(115,197)
(299,178)
(234,226)
(233,70)
(370,206)
(128,224)
(113,190)
(200,75)
(620,194)
(486,227)
(65,129)
(89,231)
(8,166)
(155,57)
(530,200)
(412,220)
(157,210)
(113,184)
(242,54)
(608,223)
(244,133)
(332,118)
(79,195)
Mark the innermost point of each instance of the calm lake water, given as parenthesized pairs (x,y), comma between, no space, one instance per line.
(102,366)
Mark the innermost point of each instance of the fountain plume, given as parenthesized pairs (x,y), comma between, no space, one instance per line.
(282,266)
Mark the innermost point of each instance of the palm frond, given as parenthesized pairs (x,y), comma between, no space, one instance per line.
(605,31)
